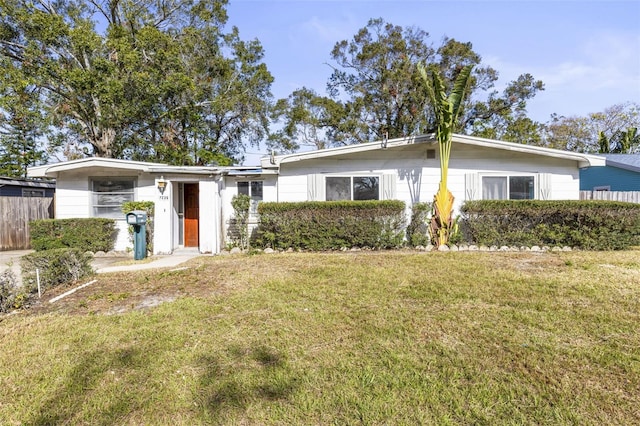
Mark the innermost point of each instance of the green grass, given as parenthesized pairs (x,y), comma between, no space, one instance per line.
(366,338)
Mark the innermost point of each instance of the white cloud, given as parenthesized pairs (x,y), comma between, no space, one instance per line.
(328,31)
(602,71)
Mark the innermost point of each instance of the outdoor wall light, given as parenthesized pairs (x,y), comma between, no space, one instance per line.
(161,185)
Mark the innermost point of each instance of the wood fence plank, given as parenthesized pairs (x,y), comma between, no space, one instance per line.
(626,196)
(15,215)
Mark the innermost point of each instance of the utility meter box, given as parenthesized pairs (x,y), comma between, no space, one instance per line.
(137,217)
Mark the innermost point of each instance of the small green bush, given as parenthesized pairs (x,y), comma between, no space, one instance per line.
(331,225)
(238,231)
(92,234)
(8,287)
(418,228)
(149,208)
(589,225)
(56,267)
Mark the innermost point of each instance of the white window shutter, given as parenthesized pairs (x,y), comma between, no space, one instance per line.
(315,187)
(544,186)
(472,186)
(388,187)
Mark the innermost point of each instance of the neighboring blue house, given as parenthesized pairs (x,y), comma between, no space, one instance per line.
(12,187)
(621,173)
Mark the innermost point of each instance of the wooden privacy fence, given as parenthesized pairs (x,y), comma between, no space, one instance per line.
(628,196)
(15,214)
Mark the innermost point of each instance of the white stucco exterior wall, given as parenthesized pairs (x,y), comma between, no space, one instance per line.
(417,178)
(229,189)
(74,197)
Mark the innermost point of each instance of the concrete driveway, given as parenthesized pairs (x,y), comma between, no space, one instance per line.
(11,260)
(104,264)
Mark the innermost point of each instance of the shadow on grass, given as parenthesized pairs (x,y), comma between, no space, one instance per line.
(90,391)
(252,375)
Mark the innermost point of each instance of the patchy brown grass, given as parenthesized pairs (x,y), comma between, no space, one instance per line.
(375,338)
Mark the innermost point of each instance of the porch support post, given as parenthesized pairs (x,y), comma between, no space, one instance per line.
(209,216)
(163,225)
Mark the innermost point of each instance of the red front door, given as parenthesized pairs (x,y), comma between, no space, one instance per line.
(191,214)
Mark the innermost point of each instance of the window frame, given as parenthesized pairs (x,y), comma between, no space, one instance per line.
(508,176)
(130,196)
(351,178)
(253,207)
(602,188)
(29,193)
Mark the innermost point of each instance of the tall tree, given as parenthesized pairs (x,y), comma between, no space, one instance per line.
(376,90)
(504,116)
(621,142)
(585,134)
(21,124)
(160,80)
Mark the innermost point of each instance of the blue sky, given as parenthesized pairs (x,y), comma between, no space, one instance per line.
(586,52)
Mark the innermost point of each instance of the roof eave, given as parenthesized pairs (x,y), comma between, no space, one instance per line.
(271,162)
(52,170)
(584,160)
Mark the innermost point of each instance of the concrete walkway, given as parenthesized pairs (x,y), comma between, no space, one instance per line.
(11,260)
(158,262)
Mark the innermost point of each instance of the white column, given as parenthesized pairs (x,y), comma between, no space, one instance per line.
(163,227)
(209,217)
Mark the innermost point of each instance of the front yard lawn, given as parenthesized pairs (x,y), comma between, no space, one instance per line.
(344,338)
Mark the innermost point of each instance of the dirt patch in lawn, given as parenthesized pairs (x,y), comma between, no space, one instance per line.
(207,276)
(119,292)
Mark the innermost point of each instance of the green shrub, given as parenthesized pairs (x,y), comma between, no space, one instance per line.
(56,267)
(8,287)
(149,208)
(93,234)
(331,225)
(589,225)
(418,228)
(238,231)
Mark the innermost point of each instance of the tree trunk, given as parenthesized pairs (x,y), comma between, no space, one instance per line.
(103,144)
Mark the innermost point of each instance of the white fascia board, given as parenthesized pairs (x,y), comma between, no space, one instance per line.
(211,171)
(584,160)
(52,170)
(38,171)
(274,162)
(190,170)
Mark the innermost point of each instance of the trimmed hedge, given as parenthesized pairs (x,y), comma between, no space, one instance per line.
(589,225)
(331,225)
(418,228)
(93,234)
(56,266)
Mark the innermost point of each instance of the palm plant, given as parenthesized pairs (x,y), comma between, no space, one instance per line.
(446,109)
(621,142)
